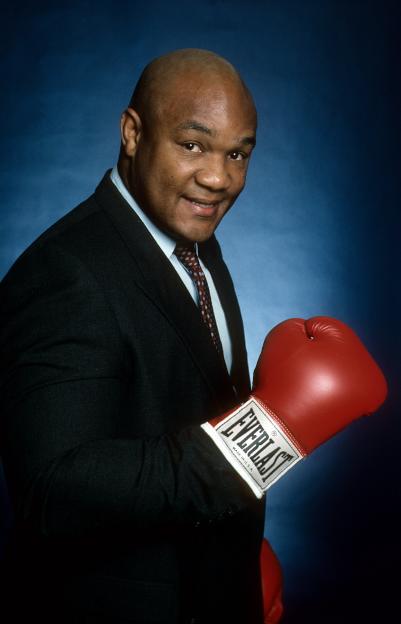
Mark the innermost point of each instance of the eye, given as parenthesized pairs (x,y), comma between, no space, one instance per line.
(192,147)
(238,156)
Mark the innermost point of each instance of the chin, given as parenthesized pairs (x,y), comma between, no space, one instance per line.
(200,234)
(198,237)
(205,237)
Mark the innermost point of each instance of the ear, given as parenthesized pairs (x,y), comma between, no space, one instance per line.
(131,129)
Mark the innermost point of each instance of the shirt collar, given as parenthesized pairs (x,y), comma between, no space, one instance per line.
(165,242)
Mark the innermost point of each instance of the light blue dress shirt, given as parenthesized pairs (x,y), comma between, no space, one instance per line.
(167,245)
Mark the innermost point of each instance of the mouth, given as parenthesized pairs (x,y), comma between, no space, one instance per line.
(203,207)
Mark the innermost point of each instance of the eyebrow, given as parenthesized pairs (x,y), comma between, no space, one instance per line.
(191,124)
(195,125)
(251,140)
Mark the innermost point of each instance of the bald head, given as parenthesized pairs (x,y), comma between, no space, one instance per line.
(186,141)
(163,78)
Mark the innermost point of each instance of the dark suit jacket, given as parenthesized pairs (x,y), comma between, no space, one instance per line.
(125,510)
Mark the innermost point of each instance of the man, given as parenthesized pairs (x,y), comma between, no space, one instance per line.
(137,484)
(125,509)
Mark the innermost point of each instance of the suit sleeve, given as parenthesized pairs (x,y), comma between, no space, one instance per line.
(64,386)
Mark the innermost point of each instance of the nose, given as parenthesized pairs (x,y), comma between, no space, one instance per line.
(214,174)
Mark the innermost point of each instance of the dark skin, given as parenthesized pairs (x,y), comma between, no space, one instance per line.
(185,159)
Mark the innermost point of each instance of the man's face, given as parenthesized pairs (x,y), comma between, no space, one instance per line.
(191,160)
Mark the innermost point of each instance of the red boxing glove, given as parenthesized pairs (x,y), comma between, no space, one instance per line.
(313,378)
(272,584)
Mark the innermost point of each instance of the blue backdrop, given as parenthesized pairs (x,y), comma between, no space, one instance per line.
(316,231)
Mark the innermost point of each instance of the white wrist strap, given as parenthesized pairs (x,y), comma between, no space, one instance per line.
(255,445)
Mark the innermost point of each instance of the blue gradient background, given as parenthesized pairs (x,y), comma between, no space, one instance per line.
(317,230)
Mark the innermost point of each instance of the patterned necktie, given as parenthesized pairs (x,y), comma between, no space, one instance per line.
(188,257)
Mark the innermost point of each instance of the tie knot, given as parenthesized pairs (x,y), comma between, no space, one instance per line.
(187,255)
(183,250)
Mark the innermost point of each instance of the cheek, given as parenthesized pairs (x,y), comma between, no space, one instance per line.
(166,170)
(241,179)
(173,177)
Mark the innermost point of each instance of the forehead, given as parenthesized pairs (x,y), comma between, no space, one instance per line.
(219,102)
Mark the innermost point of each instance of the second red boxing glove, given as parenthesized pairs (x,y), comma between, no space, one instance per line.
(272,584)
(312,379)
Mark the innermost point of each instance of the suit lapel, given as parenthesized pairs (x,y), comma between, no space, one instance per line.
(160,282)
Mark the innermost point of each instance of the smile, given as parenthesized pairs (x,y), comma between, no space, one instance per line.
(203,208)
